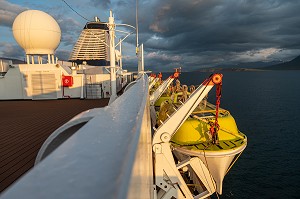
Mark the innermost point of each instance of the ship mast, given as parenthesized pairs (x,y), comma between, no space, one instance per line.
(111,26)
(137,27)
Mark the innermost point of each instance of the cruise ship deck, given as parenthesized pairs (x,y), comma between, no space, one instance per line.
(25,125)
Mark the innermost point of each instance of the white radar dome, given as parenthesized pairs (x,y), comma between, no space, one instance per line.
(36,32)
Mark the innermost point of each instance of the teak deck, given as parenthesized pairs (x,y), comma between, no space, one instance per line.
(25,125)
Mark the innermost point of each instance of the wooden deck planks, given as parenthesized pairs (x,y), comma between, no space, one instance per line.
(25,125)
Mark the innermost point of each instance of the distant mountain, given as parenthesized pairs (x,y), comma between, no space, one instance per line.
(246,66)
(290,65)
(14,61)
(257,64)
(215,69)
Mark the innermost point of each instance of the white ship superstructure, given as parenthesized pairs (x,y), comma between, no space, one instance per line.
(45,77)
(91,45)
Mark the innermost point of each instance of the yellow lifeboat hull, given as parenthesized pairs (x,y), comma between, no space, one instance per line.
(193,139)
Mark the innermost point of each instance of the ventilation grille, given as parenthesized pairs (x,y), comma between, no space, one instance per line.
(43,86)
(90,46)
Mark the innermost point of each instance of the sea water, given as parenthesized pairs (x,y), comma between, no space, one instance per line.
(266,107)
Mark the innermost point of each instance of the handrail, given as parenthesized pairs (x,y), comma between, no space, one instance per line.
(109,157)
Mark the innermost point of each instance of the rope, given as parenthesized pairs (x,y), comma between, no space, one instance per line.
(184,93)
(192,88)
(223,129)
(74,10)
(205,84)
(216,127)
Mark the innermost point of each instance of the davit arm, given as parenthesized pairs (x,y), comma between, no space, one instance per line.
(153,82)
(173,123)
(167,173)
(162,88)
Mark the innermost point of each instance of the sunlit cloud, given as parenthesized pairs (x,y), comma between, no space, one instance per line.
(163,56)
(256,55)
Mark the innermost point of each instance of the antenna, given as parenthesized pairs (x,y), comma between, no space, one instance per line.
(137,27)
(75,10)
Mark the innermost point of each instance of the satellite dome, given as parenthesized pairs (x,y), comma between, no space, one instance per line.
(36,32)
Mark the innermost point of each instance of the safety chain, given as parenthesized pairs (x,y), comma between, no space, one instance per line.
(215,126)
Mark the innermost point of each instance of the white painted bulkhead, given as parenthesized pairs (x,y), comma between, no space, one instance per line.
(38,81)
(11,85)
(44,81)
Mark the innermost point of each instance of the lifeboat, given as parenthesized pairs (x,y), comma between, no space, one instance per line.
(194,138)
(202,138)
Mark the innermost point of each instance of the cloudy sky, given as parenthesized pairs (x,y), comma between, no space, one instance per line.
(188,33)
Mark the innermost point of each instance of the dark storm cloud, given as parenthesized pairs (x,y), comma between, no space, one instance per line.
(219,25)
(199,32)
(214,31)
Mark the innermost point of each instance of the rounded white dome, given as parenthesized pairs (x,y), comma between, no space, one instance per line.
(36,32)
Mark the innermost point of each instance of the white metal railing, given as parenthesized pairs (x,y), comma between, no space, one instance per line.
(109,157)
